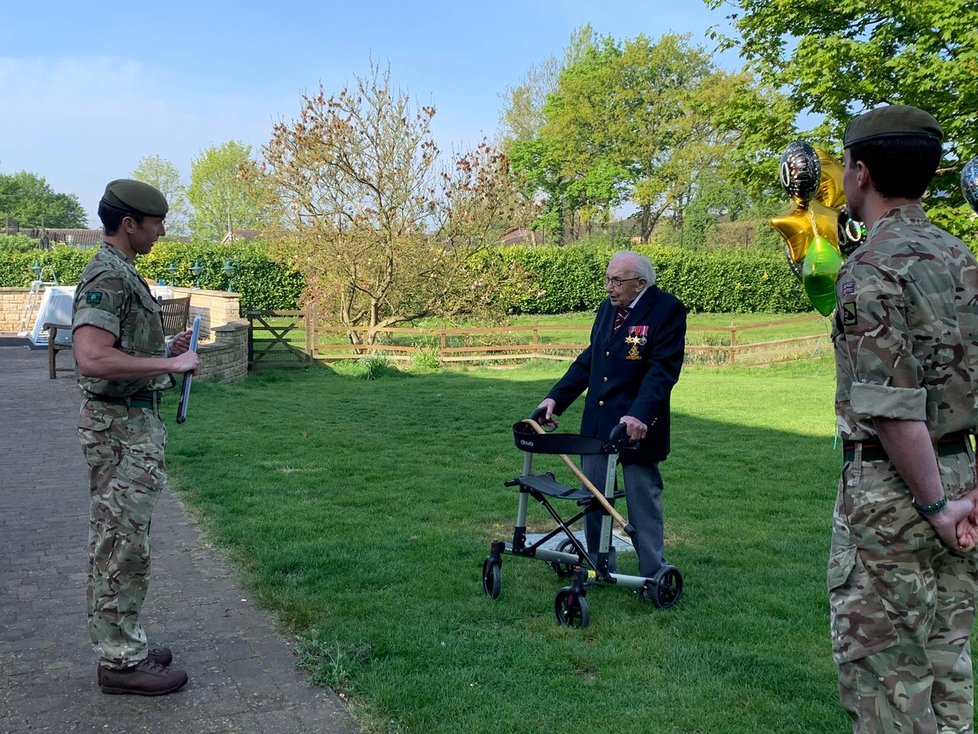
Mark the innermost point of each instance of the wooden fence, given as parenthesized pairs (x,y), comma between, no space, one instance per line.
(291,338)
(270,340)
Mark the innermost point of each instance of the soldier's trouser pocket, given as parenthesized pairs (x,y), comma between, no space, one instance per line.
(859,622)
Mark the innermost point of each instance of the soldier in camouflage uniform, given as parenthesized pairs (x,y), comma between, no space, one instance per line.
(902,574)
(124,363)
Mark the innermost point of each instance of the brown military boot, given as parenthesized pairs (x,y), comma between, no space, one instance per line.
(159,655)
(148,678)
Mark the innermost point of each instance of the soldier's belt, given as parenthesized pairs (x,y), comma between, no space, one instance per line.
(949,445)
(151,399)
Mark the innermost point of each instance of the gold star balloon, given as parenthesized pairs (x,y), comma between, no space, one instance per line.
(830,191)
(800,225)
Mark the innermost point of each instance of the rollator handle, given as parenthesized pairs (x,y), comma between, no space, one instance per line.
(620,440)
(547,425)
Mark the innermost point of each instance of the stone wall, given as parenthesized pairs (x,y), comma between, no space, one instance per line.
(223,335)
(12,304)
(215,309)
(226,358)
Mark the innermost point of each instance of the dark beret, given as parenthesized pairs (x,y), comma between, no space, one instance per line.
(893,121)
(136,197)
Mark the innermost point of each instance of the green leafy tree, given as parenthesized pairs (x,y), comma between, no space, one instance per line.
(522,114)
(841,58)
(382,233)
(29,200)
(162,174)
(533,157)
(636,119)
(228,193)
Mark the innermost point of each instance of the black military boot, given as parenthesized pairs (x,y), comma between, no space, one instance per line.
(148,678)
(159,655)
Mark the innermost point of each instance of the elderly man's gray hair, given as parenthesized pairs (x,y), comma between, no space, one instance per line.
(638,264)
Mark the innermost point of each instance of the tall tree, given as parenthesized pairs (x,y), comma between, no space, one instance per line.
(841,58)
(162,174)
(635,118)
(522,115)
(533,159)
(381,233)
(29,200)
(227,193)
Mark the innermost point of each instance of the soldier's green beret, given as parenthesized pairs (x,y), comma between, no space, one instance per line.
(893,121)
(136,197)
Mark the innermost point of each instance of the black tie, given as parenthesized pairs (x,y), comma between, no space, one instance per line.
(621,316)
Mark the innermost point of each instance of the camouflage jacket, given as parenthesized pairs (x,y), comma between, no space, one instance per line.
(906,329)
(113,297)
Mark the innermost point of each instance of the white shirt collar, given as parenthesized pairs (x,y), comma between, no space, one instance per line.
(640,294)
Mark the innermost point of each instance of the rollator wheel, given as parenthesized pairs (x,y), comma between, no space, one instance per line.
(571,608)
(492,577)
(564,570)
(666,588)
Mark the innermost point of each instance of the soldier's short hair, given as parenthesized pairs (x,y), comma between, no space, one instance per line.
(900,167)
(112,217)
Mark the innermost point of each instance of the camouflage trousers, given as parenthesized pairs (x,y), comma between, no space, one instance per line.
(124,448)
(902,605)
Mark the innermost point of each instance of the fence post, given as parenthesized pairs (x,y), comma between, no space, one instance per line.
(536,333)
(733,345)
(310,317)
(251,340)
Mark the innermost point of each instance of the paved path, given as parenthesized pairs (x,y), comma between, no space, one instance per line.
(242,673)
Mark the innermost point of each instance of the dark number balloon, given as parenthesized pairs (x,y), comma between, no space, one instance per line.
(801,171)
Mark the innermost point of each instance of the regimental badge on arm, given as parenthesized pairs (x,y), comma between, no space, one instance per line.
(93,298)
(849,313)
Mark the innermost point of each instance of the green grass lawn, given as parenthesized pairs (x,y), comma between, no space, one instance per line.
(360,512)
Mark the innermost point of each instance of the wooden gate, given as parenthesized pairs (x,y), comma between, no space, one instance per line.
(274,337)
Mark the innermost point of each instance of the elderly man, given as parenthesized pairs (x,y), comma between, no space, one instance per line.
(633,360)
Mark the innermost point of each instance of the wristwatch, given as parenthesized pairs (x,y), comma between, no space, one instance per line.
(931,509)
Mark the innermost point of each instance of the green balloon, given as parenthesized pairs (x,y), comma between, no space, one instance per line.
(818,274)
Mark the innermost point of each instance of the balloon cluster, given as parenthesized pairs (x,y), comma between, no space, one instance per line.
(817,230)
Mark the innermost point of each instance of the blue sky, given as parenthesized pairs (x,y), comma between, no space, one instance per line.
(88,89)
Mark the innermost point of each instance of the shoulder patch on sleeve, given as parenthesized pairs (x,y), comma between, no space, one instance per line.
(93,297)
(849,313)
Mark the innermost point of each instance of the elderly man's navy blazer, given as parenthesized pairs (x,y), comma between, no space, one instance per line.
(618,386)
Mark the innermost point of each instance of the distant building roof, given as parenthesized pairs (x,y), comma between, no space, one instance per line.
(47,235)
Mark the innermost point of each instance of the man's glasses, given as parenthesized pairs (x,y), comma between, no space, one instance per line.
(616,282)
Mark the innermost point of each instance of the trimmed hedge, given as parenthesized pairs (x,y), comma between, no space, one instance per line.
(570,278)
(567,278)
(263,284)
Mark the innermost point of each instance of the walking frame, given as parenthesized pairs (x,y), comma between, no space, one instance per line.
(570,559)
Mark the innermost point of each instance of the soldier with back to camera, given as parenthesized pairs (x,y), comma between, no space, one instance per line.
(902,573)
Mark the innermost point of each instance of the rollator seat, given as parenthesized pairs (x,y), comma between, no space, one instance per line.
(547,484)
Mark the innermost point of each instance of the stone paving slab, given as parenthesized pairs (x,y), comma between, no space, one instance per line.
(242,672)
